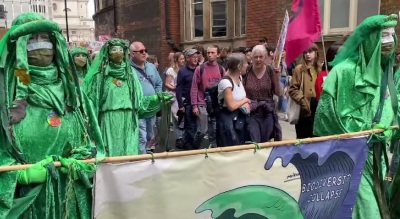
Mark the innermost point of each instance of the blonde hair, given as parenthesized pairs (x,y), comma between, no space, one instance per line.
(175,64)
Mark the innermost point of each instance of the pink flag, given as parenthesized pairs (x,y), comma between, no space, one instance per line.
(304,28)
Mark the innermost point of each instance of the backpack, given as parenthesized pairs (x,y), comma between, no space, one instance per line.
(214,106)
(211,92)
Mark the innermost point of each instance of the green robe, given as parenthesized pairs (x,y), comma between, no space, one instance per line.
(55,124)
(39,135)
(113,93)
(339,112)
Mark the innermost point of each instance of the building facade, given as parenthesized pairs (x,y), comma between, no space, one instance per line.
(10,9)
(80,23)
(167,25)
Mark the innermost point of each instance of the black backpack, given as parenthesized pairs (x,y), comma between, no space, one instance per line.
(214,106)
(211,93)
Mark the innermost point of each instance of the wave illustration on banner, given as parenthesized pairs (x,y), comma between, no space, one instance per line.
(248,201)
(330,176)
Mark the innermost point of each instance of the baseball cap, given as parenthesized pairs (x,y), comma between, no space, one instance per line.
(191,52)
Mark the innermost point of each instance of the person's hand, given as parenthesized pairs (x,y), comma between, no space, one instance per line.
(247,100)
(165,97)
(18,111)
(196,111)
(36,173)
(277,70)
(383,136)
(247,106)
(74,167)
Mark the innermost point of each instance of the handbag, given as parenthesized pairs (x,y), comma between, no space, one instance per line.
(294,108)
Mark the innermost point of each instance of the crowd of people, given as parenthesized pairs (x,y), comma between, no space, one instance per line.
(252,95)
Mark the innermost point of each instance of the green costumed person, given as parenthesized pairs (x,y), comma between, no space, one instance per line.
(82,62)
(359,94)
(43,120)
(117,97)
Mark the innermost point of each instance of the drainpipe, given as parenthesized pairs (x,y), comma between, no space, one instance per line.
(115,15)
(170,42)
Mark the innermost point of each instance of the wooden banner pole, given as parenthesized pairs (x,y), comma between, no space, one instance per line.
(122,159)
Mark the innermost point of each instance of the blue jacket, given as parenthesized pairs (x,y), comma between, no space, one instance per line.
(149,78)
(184,85)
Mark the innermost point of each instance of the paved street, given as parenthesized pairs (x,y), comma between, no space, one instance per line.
(288,132)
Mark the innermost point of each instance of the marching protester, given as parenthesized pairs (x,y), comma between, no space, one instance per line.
(302,90)
(261,82)
(183,90)
(151,84)
(170,85)
(205,75)
(354,98)
(232,118)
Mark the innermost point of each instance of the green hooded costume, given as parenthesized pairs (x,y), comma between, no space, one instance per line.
(118,100)
(43,120)
(81,68)
(358,94)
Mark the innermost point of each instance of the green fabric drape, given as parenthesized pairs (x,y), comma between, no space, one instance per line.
(351,98)
(57,122)
(117,97)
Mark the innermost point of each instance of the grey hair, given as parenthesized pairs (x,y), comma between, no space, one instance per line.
(259,49)
(234,60)
(132,47)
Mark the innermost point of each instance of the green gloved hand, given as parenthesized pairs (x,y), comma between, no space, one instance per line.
(165,97)
(75,167)
(36,173)
(388,130)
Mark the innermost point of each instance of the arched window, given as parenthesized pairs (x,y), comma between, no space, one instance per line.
(54,7)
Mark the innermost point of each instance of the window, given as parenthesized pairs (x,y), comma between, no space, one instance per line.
(240,17)
(218,14)
(73,32)
(198,18)
(243,17)
(54,7)
(2,12)
(338,16)
(207,19)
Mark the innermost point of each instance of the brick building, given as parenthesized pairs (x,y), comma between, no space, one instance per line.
(165,25)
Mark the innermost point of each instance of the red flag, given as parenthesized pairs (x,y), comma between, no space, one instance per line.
(304,28)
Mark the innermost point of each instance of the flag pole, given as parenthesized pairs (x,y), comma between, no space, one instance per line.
(142,157)
(323,48)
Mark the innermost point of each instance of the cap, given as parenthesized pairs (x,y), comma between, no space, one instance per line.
(191,52)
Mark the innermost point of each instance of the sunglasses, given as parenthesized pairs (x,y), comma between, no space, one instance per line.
(142,51)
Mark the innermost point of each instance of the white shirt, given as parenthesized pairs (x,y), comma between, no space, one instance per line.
(238,90)
(174,75)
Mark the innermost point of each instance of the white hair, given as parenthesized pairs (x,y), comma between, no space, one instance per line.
(132,47)
(259,49)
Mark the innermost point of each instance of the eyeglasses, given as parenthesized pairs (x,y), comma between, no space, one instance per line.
(142,51)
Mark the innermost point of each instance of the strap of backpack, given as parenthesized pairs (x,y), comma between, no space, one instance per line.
(201,70)
(230,79)
(221,70)
(221,102)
